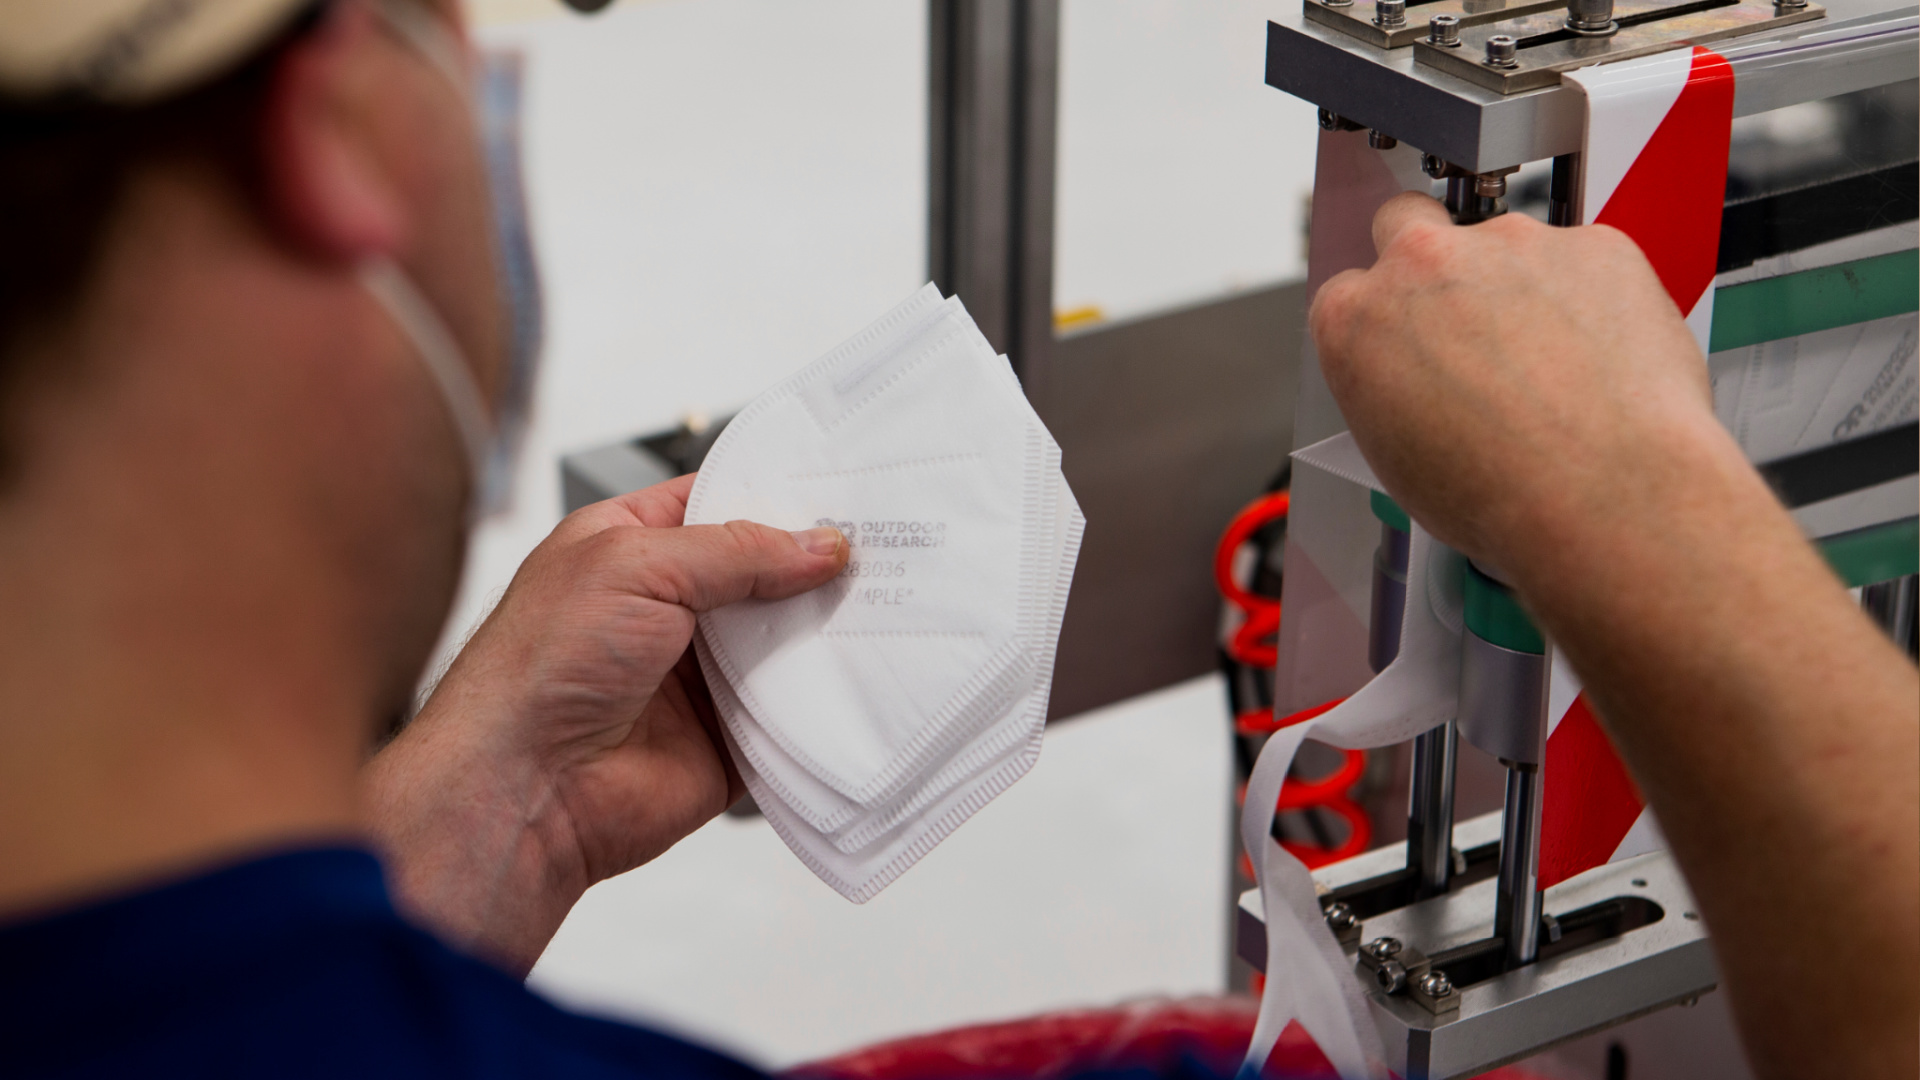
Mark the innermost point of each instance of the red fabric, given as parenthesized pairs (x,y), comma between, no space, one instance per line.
(1151,1034)
(1671,198)
(1590,801)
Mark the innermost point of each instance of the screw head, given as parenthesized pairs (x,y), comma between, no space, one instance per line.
(1444,31)
(1433,166)
(1341,917)
(1503,51)
(1381,141)
(1390,14)
(1435,984)
(1383,948)
(1391,977)
(1329,120)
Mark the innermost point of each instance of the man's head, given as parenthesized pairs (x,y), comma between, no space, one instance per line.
(211,435)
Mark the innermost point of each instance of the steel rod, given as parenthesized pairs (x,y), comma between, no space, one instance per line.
(1516,915)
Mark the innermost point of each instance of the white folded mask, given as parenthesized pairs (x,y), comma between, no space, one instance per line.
(980,732)
(872,716)
(906,438)
(874,848)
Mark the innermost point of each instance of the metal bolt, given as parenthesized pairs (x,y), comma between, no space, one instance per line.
(1329,120)
(1490,185)
(1336,3)
(1391,976)
(1381,141)
(1433,166)
(1390,14)
(1591,18)
(1341,917)
(1383,948)
(1435,984)
(1444,31)
(1503,51)
(1781,7)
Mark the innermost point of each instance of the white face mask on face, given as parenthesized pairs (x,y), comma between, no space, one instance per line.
(491,439)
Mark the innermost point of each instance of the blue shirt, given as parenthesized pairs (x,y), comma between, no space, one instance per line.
(294,965)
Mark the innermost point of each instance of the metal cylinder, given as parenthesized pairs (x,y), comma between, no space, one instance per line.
(1516,913)
(1503,699)
(1389,596)
(1430,808)
(1390,14)
(1591,18)
(1503,51)
(1560,190)
(1380,140)
(1892,604)
(1444,31)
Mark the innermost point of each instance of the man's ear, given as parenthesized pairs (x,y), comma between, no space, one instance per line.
(327,186)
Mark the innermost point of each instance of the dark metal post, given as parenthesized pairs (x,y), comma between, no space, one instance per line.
(993,67)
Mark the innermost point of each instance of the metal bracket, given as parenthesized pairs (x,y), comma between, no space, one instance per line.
(1629,943)
(1541,46)
(1361,18)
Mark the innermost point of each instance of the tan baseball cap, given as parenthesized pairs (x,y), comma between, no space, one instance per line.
(128,51)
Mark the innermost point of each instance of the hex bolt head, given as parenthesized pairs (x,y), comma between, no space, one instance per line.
(1503,51)
(1444,31)
(1341,917)
(1390,14)
(1435,984)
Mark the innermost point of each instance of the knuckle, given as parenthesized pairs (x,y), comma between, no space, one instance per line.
(1425,249)
(749,540)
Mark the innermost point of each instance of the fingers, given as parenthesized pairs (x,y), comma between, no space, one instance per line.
(702,567)
(1402,212)
(662,506)
(701,700)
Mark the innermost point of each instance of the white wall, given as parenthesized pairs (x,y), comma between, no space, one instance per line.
(1182,175)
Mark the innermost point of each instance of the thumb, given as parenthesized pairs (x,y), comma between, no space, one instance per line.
(702,567)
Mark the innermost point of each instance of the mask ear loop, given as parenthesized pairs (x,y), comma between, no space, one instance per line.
(443,358)
(427,35)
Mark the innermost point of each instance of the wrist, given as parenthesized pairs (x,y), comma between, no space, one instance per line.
(1665,504)
(474,838)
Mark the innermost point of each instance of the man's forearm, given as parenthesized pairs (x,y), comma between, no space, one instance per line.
(1773,728)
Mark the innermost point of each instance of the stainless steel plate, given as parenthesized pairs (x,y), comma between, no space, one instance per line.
(1547,47)
(1357,17)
